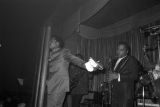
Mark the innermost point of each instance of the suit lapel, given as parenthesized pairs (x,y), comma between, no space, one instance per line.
(113,63)
(121,64)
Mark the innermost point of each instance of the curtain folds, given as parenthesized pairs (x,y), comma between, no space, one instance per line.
(104,48)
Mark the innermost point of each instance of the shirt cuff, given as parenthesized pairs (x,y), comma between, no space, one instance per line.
(119,77)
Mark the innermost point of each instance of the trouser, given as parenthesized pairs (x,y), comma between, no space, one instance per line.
(76,99)
(121,100)
(122,103)
(55,99)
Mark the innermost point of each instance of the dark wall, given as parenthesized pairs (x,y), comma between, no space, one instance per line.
(1,66)
(21,52)
(20,32)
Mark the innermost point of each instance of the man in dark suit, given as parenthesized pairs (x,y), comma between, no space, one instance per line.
(79,83)
(125,70)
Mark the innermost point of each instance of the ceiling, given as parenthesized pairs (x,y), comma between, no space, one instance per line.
(25,16)
(28,15)
(22,15)
(116,10)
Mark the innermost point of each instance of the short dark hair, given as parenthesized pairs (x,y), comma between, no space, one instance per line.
(58,39)
(127,47)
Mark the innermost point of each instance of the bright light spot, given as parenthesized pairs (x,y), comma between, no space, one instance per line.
(93,63)
(89,67)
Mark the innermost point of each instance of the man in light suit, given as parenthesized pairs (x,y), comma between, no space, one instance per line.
(58,76)
(125,70)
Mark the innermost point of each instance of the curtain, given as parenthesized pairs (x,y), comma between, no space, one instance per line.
(104,48)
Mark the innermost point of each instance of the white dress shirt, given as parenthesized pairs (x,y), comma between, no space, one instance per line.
(118,61)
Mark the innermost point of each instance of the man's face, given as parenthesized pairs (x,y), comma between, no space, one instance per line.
(121,51)
(53,44)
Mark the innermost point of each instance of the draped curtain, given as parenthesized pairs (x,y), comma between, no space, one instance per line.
(104,48)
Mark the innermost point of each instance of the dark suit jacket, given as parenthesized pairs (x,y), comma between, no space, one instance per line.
(78,80)
(58,76)
(123,91)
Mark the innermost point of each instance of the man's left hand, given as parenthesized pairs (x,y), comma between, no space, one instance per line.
(113,76)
